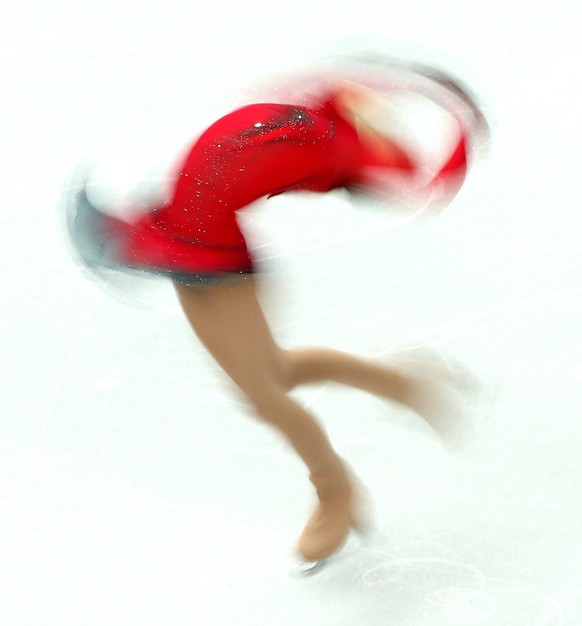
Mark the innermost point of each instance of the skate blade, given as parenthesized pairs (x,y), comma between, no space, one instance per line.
(305,569)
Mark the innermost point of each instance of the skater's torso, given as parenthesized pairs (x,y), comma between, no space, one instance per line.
(260,150)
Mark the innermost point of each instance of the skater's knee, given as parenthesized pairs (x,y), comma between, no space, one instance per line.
(283,372)
(310,365)
(299,367)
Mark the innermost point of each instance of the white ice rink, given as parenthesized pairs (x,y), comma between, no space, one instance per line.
(134,488)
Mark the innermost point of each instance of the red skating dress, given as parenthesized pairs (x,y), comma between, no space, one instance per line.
(256,151)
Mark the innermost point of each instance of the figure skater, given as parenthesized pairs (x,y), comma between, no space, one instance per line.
(194,239)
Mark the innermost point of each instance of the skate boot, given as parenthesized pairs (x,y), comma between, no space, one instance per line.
(330,524)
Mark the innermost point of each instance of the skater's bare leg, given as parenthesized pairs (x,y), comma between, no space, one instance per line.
(310,365)
(424,390)
(229,321)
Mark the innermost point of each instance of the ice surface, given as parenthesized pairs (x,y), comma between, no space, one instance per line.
(135,489)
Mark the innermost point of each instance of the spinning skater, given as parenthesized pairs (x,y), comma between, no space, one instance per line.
(194,240)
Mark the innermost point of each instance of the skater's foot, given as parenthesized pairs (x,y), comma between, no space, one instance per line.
(435,392)
(338,511)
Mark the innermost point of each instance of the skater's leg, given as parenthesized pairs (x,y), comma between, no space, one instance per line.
(310,365)
(425,390)
(229,322)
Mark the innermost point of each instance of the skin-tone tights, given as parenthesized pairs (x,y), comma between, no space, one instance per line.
(230,323)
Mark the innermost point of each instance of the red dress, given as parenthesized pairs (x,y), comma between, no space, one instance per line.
(256,151)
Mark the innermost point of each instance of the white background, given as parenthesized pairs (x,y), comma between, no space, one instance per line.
(134,489)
